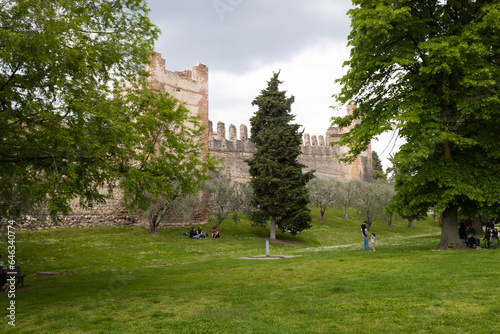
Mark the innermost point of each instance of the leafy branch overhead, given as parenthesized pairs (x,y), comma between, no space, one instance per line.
(68,129)
(429,70)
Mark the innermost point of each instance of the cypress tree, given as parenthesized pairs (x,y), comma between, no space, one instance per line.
(378,169)
(278,182)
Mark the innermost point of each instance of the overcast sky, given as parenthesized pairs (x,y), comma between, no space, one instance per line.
(244,41)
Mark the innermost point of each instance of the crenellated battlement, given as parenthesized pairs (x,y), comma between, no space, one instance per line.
(332,134)
(188,86)
(318,153)
(322,143)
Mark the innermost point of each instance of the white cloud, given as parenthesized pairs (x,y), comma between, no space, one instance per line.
(308,75)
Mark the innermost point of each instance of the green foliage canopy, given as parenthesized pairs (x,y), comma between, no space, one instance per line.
(69,128)
(429,70)
(162,153)
(162,149)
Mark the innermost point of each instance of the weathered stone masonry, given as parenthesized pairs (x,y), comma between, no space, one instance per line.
(191,87)
(317,154)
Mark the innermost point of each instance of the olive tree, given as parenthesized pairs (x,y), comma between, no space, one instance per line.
(323,193)
(223,197)
(348,192)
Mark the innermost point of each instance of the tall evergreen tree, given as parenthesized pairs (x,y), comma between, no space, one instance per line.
(278,182)
(378,169)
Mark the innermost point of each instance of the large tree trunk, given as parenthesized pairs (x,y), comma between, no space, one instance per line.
(369,220)
(449,230)
(478,225)
(153,225)
(273,228)
(153,221)
(322,209)
(157,212)
(410,224)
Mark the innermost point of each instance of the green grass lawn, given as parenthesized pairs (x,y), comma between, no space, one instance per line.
(123,280)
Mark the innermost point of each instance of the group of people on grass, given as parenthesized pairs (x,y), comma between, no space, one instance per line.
(467,232)
(198,233)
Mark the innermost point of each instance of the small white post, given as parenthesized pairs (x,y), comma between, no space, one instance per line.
(267,248)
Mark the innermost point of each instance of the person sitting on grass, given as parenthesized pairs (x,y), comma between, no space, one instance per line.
(194,234)
(472,239)
(200,233)
(215,234)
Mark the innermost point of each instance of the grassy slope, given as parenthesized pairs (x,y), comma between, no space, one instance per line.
(122,280)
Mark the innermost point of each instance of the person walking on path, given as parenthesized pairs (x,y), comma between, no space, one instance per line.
(364,232)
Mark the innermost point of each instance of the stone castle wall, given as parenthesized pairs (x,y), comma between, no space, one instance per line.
(191,87)
(318,153)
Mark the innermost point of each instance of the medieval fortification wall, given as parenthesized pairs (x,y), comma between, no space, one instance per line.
(191,87)
(318,153)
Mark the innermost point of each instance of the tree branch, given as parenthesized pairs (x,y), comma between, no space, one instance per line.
(31,158)
(11,76)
